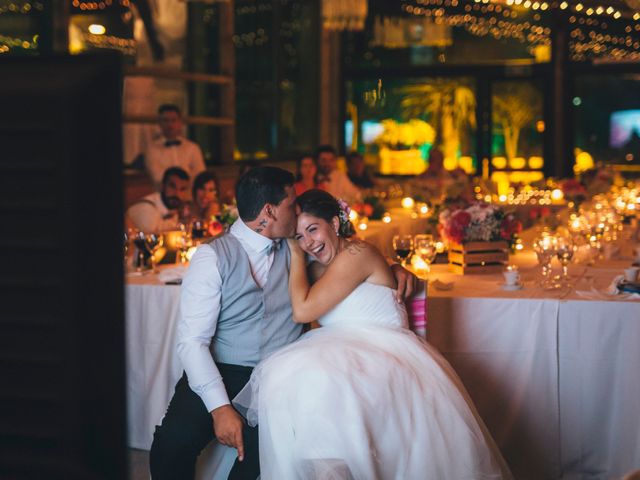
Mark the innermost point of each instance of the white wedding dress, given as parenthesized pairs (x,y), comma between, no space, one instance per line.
(364,398)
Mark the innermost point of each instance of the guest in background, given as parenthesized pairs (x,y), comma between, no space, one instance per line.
(336,181)
(357,171)
(307,175)
(247,165)
(172,149)
(435,169)
(159,211)
(205,196)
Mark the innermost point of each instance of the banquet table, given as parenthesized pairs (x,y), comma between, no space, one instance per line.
(153,367)
(554,374)
(380,234)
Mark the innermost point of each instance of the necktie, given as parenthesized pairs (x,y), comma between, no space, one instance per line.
(172,143)
(275,245)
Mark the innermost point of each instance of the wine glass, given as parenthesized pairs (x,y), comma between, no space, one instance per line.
(139,240)
(153,242)
(545,248)
(403,246)
(565,248)
(425,247)
(184,243)
(198,229)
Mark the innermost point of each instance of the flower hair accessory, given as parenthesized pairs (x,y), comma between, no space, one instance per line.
(345,229)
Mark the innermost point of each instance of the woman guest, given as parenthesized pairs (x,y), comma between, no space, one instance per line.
(205,196)
(307,175)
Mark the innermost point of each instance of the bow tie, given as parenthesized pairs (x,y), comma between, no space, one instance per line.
(275,245)
(172,143)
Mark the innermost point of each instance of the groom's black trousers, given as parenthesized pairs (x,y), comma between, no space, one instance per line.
(187,428)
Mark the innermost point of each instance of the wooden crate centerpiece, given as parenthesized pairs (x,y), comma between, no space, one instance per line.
(478,257)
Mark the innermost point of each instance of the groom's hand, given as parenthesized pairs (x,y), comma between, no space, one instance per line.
(407,282)
(227,427)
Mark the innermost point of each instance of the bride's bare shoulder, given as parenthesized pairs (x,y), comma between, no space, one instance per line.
(362,249)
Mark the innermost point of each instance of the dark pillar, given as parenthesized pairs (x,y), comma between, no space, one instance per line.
(560,161)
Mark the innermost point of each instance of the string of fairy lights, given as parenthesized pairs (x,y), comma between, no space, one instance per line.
(596,31)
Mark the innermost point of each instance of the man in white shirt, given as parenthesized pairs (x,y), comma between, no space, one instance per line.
(158,211)
(235,310)
(172,149)
(337,182)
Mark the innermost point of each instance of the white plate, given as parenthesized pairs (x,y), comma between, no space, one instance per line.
(511,288)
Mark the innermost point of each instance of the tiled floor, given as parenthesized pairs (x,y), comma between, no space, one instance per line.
(138,465)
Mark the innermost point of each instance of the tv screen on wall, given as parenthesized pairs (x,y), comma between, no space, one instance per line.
(623,125)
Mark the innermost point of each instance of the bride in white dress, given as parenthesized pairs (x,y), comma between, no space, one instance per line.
(361,397)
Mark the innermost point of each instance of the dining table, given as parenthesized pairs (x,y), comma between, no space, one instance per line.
(554,374)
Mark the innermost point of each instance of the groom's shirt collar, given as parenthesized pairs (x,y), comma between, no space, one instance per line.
(252,239)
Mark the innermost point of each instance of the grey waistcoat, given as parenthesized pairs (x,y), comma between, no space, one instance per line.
(253,322)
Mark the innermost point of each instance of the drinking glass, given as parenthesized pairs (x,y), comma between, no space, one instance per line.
(565,248)
(545,248)
(425,247)
(153,242)
(403,246)
(198,230)
(184,243)
(139,240)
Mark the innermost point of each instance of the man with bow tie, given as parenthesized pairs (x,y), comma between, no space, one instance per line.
(172,149)
(234,311)
(159,211)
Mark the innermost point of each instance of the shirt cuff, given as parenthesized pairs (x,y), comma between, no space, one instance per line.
(214,396)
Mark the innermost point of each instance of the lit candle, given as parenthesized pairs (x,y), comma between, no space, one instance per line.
(408,202)
(557,195)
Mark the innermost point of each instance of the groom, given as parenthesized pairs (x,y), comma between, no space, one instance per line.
(234,311)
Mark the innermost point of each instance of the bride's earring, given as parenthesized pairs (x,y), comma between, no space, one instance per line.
(337,233)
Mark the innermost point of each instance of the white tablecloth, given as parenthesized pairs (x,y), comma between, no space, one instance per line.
(153,368)
(152,364)
(556,377)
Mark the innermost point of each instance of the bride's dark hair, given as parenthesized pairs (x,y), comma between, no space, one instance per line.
(323,205)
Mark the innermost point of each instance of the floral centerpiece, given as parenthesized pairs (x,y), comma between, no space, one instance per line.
(597,180)
(221,222)
(478,222)
(479,235)
(574,191)
(370,207)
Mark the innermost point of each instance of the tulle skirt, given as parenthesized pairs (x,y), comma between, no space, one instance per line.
(351,402)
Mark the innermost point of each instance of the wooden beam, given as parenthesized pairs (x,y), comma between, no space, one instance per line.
(162,72)
(211,121)
(227,95)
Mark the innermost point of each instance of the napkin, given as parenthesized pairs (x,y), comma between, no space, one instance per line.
(172,274)
(417,313)
(612,292)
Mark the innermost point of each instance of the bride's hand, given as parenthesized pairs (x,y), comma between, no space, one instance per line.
(294,247)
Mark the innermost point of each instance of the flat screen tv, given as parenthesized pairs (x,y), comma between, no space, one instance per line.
(623,125)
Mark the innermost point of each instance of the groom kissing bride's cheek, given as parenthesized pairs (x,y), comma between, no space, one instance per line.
(360,397)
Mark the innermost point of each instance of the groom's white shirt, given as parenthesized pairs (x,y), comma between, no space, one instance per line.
(200,307)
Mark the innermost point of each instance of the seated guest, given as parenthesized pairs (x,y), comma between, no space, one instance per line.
(336,181)
(435,169)
(159,211)
(205,196)
(357,171)
(172,149)
(307,175)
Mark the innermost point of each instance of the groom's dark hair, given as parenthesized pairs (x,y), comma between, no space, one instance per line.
(259,186)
